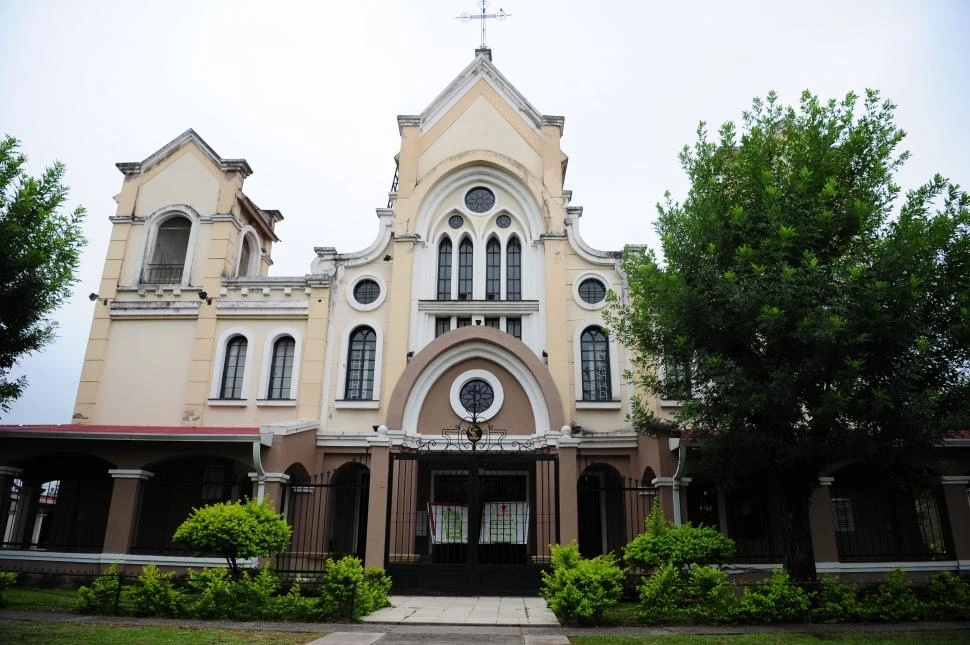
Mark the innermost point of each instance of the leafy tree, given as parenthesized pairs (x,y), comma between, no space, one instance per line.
(244,529)
(811,321)
(39,251)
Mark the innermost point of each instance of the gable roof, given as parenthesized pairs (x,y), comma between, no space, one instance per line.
(480,68)
(190,135)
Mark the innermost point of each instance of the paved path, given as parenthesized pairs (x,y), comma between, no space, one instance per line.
(471,610)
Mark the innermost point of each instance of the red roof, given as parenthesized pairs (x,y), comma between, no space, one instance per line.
(131,432)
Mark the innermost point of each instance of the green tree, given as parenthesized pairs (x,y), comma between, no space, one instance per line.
(811,321)
(244,529)
(40,247)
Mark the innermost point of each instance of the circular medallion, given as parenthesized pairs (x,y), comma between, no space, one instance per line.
(503,221)
(474,432)
(479,199)
(455,221)
(476,396)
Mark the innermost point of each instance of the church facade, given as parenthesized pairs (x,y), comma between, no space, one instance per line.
(445,403)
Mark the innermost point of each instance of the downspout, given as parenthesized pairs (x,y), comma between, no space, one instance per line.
(260,474)
(681,460)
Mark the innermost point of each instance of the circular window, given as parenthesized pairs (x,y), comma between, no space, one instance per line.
(455,221)
(476,396)
(479,199)
(366,291)
(504,221)
(592,291)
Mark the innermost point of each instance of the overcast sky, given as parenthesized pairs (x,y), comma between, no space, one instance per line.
(308,94)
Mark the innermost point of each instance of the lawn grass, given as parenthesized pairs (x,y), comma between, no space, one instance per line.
(34,599)
(22,632)
(958,637)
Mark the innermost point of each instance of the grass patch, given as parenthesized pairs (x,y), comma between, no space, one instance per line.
(32,599)
(23,632)
(957,637)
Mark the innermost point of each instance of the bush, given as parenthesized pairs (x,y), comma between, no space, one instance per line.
(680,545)
(7,579)
(292,606)
(836,601)
(154,594)
(373,593)
(702,594)
(774,600)
(216,594)
(580,590)
(660,594)
(348,591)
(949,597)
(212,593)
(103,595)
(893,601)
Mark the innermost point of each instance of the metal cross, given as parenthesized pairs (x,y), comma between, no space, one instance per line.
(501,15)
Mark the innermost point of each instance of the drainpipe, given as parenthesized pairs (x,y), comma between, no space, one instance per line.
(681,460)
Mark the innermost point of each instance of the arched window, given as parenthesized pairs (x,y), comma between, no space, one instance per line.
(247,252)
(465,266)
(493,270)
(233,369)
(444,270)
(513,269)
(360,365)
(168,256)
(595,353)
(281,369)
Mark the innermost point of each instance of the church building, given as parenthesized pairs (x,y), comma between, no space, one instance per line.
(445,403)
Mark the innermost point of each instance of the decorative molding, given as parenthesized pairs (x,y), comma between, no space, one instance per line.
(226,165)
(10,471)
(173,309)
(342,404)
(122,558)
(599,405)
(130,473)
(826,481)
(488,308)
(955,480)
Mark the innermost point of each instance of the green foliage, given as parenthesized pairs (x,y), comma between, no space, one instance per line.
(293,605)
(775,600)
(817,321)
(7,579)
(702,594)
(217,594)
(243,529)
(836,601)
(154,594)
(661,593)
(893,601)
(212,593)
(680,545)
(102,596)
(580,590)
(39,254)
(375,590)
(949,597)
(349,591)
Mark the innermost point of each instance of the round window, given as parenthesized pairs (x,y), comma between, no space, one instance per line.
(503,221)
(476,396)
(366,291)
(592,291)
(455,221)
(479,199)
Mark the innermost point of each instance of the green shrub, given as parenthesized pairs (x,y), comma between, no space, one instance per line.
(212,593)
(103,595)
(702,594)
(836,601)
(216,594)
(7,579)
(374,591)
(774,600)
(949,597)
(340,589)
(680,545)
(293,605)
(154,594)
(660,593)
(580,590)
(893,601)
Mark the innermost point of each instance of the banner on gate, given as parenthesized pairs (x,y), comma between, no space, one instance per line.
(505,522)
(449,523)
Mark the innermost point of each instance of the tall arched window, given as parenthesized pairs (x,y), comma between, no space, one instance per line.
(248,251)
(168,256)
(444,270)
(513,269)
(595,353)
(233,369)
(465,267)
(281,369)
(493,270)
(360,365)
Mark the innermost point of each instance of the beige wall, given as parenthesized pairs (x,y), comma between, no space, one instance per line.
(185,178)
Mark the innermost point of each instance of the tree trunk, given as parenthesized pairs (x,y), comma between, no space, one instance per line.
(799,560)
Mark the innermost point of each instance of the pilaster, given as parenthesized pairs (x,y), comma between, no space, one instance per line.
(955,497)
(125,505)
(824,545)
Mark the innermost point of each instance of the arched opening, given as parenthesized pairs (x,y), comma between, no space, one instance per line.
(702,503)
(602,525)
(178,486)
(59,503)
(347,522)
(167,259)
(248,257)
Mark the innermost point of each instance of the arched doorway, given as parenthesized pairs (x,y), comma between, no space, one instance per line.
(602,525)
(347,525)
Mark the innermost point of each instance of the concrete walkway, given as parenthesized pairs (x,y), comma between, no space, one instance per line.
(471,610)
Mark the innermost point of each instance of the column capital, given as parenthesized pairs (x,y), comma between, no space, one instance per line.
(281,478)
(10,471)
(130,473)
(955,480)
(826,481)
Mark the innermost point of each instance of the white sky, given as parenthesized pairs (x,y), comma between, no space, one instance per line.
(308,94)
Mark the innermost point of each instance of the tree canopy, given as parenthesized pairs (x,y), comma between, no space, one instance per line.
(40,248)
(797,314)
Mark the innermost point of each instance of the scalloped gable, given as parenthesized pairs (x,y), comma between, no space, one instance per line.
(481,68)
(190,135)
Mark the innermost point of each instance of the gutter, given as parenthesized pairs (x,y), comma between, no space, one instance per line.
(681,460)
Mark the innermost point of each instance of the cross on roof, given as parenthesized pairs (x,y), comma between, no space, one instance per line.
(483,4)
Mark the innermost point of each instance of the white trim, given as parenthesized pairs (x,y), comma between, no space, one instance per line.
(217,365)
(276,403)
(859,567)
(584,250)
(130,473)
(464,352)
(586,276)
(255,254)
(955,480)
(488,377)
(352,301)
(262,395)
(614,401)
(342,365)
(121,558)
(11,471)
(598,405)
(156,219)
(344,404)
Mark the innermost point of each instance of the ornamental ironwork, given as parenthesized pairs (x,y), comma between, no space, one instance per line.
(472,435)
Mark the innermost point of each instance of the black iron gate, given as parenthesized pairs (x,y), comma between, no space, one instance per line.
(470,523)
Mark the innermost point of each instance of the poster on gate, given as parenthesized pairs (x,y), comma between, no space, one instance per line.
(505,523)
(449,523)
